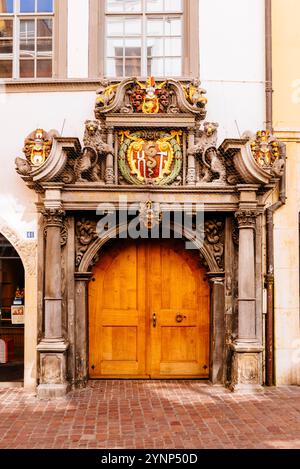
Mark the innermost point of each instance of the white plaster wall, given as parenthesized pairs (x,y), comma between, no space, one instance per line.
(232,64)
(78,38)
(20,114)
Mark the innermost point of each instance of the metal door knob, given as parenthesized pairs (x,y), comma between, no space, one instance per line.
(180,317)
(154,320)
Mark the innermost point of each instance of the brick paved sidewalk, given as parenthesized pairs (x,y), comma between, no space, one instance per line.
(151,414)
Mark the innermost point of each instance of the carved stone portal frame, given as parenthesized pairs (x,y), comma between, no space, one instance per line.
(226,181)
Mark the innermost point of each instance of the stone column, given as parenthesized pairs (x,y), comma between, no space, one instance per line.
(246,367)
(109,171)
(81,327)
(191,171)
(53,346)
(217,328)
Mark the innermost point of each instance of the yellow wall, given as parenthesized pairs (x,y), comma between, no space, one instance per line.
(286,122)
(286,64)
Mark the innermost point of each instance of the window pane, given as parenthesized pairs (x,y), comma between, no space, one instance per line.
(27,48)
(27,6)
(155,27)
(27,30)
(133,48)
(115,27)
(132,67)
(44,68)
(133,26)
(173,27)
(26,68)
(5,68)
(119,6)
(6,46)
(173,67)
(155,5)
(173,46)
(114,67)
(173,5)
(45,6)
(44,28)
(6,28)
(114,47)
(45,46)
(156,67)
(6,6)
(155,46)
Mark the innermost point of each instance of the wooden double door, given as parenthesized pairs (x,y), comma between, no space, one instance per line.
(148,312)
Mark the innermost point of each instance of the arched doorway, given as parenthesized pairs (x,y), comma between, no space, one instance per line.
(12,283)
(149,312)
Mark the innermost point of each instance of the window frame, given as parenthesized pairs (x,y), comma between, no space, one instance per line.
(59,40)
(190,38)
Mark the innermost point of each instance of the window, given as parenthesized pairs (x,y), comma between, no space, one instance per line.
(143,38)
(26,38)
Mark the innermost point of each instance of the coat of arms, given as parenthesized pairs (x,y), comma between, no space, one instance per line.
(150,158)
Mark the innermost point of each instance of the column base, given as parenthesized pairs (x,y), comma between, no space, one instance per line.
(52,391)
(53,368)
(246,373)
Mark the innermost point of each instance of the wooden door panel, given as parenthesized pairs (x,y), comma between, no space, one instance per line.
(132,281)
(178,287)
(117,313)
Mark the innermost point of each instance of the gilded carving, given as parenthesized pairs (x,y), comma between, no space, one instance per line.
(150,98)
(195,94)
(150,214)
(265,148)
(156,160)
(37,147)
(105,93)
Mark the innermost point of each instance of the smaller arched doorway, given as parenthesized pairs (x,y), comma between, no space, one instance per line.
(12,283)
(149,312)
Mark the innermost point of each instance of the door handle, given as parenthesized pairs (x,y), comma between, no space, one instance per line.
(154,320)
(180,317)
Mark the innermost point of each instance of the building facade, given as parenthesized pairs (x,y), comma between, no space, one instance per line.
(95,307)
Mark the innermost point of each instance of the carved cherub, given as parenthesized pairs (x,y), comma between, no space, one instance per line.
(195,94)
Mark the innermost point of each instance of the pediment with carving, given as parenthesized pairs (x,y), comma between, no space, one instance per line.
(150,134)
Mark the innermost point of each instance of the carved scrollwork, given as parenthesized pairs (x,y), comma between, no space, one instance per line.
(85,234)
(214,238)
(150,214)
(53,217)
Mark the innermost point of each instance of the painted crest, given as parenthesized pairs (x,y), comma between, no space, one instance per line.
(150,157)
(37,147)
(150,98)
(265,148)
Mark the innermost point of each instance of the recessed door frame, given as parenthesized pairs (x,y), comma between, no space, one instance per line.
(83,276)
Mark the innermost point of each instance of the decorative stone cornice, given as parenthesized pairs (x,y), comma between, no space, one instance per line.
(246,218)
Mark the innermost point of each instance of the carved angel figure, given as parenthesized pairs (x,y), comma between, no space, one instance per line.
(195,94)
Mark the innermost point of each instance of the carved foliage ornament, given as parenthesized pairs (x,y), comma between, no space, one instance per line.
(147,157)
(246,218)
(214,238)
(150,214)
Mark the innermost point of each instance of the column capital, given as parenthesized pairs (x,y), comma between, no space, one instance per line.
(53,216)
(246,218)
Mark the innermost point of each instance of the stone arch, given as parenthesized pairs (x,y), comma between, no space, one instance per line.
(97,245)
(27,251)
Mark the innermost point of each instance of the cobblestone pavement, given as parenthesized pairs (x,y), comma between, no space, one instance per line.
(151,414)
